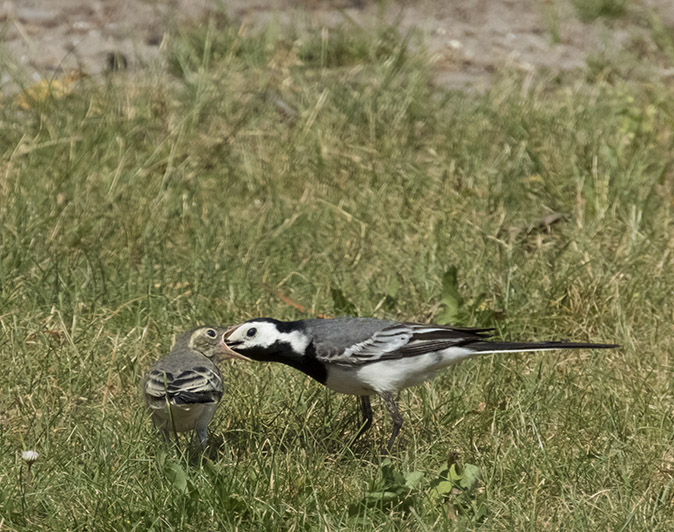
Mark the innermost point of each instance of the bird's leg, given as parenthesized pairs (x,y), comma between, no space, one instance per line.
(202,433)
(366,409)
(392,407)
(166,433)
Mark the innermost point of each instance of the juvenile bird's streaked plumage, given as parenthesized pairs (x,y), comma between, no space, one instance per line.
(183,390)
(365,356)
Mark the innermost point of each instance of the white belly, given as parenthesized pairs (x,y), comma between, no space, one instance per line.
(184,417)
(392,375)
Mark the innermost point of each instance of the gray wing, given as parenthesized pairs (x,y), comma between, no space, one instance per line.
(183,378)
(392,340)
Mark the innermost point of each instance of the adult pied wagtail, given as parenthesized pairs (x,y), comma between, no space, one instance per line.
(365,356)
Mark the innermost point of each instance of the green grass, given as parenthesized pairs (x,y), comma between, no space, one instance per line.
(590,10)
(135,208)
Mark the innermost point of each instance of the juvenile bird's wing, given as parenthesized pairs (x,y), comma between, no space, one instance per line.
(183,381)
(398,340)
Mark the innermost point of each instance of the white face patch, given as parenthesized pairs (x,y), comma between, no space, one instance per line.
(297,340)
(261,334)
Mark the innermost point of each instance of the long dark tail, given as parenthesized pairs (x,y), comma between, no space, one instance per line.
(504,347)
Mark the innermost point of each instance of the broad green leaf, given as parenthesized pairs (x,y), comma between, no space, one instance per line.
(177,476)
(384,496)
(443,488)
(454,475)
(413,478)
(451,298)
(471,474)
(393,287)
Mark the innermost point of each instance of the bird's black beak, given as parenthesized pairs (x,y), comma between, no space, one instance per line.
(226,346)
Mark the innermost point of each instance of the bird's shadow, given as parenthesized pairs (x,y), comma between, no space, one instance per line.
(334,437)
(319,426)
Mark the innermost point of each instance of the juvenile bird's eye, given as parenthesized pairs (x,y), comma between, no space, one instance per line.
(251,332)
(211,333)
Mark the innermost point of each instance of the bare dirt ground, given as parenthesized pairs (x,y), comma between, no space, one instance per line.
(468,39)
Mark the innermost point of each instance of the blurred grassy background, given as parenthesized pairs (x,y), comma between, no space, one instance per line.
(330,169)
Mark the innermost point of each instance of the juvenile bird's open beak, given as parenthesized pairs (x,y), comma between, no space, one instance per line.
(227,351)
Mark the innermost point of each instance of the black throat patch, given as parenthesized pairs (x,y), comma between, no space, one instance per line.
(283,352)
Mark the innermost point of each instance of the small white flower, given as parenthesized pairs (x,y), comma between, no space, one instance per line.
(30,456)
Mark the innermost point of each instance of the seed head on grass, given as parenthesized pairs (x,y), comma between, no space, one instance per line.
(30,457)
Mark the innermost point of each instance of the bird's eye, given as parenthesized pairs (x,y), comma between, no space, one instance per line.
(251,332)
(211,333)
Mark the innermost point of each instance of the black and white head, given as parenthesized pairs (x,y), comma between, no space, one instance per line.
(208,341)
(267,339)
